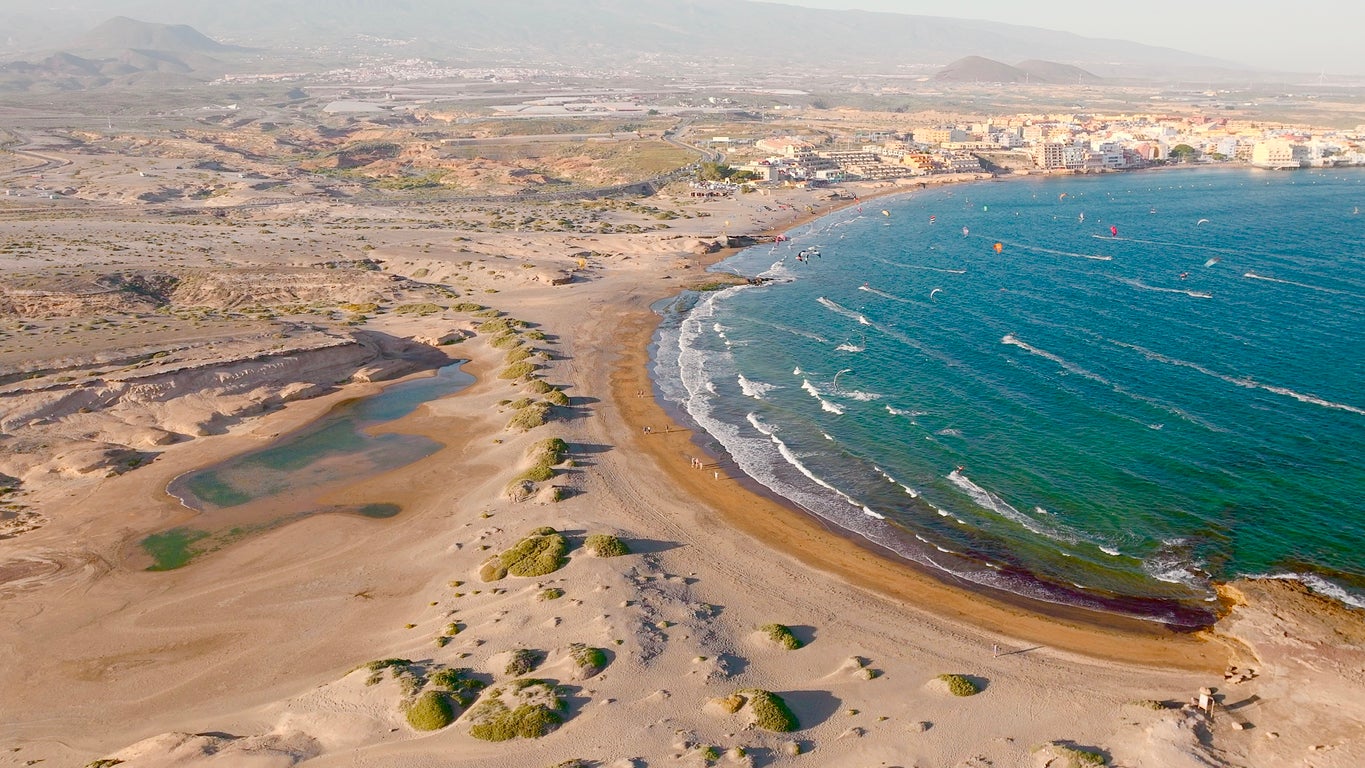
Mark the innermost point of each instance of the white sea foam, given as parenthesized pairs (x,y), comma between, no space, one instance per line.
(1322,587)
(991,502)
(1145,287)
(856,395)
(1254,276)
(846,347)
(1243,381)
(949,432)
(914,494)
(1012,340)
(754,389)
(885,295)
(826,405)
(1040,249)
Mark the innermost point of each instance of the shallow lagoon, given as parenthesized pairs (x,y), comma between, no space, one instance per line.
(282,482)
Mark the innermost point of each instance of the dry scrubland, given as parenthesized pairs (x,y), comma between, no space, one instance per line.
(559,589)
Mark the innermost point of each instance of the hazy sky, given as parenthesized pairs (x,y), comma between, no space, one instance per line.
(1315,36)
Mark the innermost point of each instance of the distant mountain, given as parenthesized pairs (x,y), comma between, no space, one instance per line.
(1053,72)
(122,33)
(121,51)
(978,69)
(704,37)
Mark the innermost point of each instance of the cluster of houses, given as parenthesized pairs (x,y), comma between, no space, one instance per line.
(1054,143)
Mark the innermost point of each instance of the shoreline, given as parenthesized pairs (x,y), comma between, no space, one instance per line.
(777,522)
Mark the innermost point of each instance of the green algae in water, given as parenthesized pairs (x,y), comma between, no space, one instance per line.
(380,511)
(173,549)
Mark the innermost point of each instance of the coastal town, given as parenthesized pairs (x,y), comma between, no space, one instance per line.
(1043,144)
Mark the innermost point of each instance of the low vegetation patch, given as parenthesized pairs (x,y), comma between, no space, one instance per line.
(605,545)
(530,417)
(589,660)
(782,635)
(1067,756)
(556,397)
(516,355)
(550,593)
(505,341)
(518,370)
(542,551)
(467,306)
(770,712)
(523,661)
(430,711)
(960,685)
(526,709)
(458,684)
(422,310)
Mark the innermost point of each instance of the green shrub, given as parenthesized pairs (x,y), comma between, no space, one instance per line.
(519,403)
(529,417)
(495,326)
(107,762)
(538,387)
(360,309)
(522,661)
(516,355)
(495,722)
(534,335)
(770,711)
(430,712)
(555,397)
(421,310)
(458,684)
(505,341)
(709,753)
(959,685)
(537,473)
(590,660)
(782,635)
(1072,757)
(376,668)
(550,593)
(518,370)
(605,545)
(536,555)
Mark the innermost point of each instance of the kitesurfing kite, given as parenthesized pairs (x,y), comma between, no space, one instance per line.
(932,219)
(999,247)
(886,213)
(936,290)
(1201,221)
(1114,231)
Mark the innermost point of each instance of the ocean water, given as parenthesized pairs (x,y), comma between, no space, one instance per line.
(1154,383)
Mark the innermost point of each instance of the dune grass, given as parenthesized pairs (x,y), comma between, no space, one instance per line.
(605,545)
(960,685)
(538,711)
(458,684)
(518,370)
(588,659)
(770,712)
(430,711)
(523,661)
(529,417)
(782,635)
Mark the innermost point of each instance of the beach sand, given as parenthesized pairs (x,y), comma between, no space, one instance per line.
(247,657)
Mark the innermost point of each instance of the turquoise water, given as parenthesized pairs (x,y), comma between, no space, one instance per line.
(264,489)
(1109,421)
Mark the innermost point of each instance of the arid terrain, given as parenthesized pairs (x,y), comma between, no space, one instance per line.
(561,587)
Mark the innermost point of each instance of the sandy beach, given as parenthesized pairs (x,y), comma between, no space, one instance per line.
(254,655)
